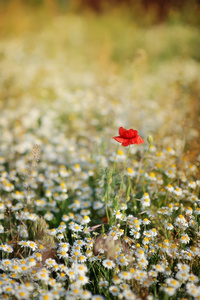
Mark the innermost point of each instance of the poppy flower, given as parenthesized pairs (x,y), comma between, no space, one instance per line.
(128,137)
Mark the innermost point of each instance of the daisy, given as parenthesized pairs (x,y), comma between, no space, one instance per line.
(97,297)
(145,200)
(169,188)
(38,256)
(170,291)
(81,268)
(192,185)
(32,245)
(85,220)
(116,279)
(71,274)
(184,239)
(181,222)
(46,296)
(122,261)
(108,264)
(182,276)
(82,259)
(146,221)
(169,226)
(86,294)
(158,268)
(50,262)
(62,254)
(140,253)
(75,227)
(49,216)
(98,205)
(103,284)
(43,275)
(82,279)
(193,278)
(125,275)
(143,263)
(118,215)
(6,248)
(22,293)
(130,172)
(65,218)
(63,247)
(170,173)
(188,211)
(128,294)
(61,277)
(177,191)
(31,261)
(114,290)
(173,283)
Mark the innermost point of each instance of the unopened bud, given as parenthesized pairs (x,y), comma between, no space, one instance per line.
(150,139)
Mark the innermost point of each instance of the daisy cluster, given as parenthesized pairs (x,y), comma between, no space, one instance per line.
(71,230)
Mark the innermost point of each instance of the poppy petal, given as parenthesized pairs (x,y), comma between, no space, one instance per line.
(119,139)
(136,140)
(127,134)
(126,143)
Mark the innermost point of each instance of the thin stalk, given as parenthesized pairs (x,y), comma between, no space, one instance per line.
(145,167)
(124,168)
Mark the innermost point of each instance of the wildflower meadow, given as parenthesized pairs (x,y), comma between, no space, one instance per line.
(99,154)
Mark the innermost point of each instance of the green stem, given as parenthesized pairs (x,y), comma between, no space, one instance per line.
(107,215)
(145,167)
(114,163)
(124,167)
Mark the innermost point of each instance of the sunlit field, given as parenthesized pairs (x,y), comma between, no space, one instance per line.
(83,215)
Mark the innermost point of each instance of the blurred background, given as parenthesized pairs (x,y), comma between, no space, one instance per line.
(102,64)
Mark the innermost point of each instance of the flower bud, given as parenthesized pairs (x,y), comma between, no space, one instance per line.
(150,139)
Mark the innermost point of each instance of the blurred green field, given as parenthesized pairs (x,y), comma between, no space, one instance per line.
(146,72)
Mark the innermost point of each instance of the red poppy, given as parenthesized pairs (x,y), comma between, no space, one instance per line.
(128,137)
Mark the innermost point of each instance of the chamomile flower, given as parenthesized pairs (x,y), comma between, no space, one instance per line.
(188,211)
(181,222)
(146,221)
(145,200)
(184,239)
(178,191)
(86,294)
(169,188)
(82,279)
(108,264)
(122,261)
(125,275)
(46,296)
(103,284)
(22,293)
(75,227)
(6,248)
(173,283)
(114,290)
(85,220)
(130,172)
(118,215)
(193,278)
(159,268)
(192,184)
(182,276)
(128,294)
(97,297)
(169,290)
(169,226)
